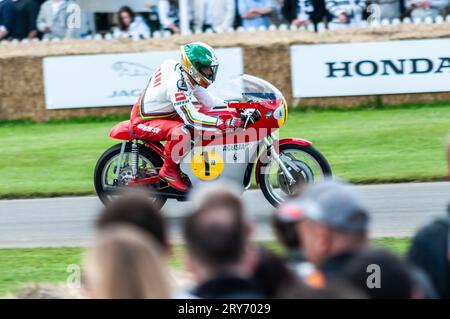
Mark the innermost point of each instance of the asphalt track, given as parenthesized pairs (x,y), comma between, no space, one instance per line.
(398,211)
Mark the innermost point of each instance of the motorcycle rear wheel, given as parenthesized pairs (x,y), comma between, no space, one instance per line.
(111,156)
(270,176)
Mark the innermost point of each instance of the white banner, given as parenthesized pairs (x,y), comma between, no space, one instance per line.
(370,68)
(116,79)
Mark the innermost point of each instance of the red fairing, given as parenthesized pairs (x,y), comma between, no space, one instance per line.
(121,131)
(296,141)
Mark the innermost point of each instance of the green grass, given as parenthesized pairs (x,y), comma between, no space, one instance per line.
(363,145)
(19,267)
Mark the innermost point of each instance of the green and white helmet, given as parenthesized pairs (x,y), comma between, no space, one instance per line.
(199,61)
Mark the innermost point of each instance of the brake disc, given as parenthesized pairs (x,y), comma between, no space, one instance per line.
(301,173)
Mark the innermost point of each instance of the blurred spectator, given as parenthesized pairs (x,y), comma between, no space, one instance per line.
(136,209)
(8,15)
(345,13)
(202,15)
(168,11)
(124,263)
(426,8)
(25,23)
(304,12)
(131,25)
(272,277)
(52,20)
(219,253)
(334,227)
(217,14)
(254,13)
(430,252)
(381,275)
(389,9)
(285,223)
(276,16)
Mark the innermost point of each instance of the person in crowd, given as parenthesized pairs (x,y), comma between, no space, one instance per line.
(169,18)
(219,253)
(285,223)
(345,13)
(304,12)
(52,20)
(273,277)
(8,16)
(217,14)
(125,263)
(25,22)
(426,8)
(335,225)
(131,25)
(430,252)
(255,13)
(134,207)
(381,275)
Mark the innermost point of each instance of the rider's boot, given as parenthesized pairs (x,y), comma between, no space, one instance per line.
(170,171)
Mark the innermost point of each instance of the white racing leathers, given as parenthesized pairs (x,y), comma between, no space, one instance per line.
(170,93)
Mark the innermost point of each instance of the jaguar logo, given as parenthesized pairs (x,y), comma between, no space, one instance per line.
(132,69)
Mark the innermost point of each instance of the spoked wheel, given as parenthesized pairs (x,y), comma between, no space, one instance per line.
(108,181)
(306,165)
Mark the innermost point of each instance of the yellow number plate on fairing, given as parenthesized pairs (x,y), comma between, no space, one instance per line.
(207,165)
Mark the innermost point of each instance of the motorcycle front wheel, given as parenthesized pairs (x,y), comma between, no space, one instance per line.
(106,180)
(306,165)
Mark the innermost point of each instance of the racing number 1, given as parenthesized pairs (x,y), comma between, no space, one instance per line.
(207,166)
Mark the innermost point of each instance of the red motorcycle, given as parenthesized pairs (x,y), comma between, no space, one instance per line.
(282,167)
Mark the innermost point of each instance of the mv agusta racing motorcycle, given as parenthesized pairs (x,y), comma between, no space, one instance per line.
(281,167)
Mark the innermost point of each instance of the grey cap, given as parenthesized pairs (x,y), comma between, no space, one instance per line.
(334,203)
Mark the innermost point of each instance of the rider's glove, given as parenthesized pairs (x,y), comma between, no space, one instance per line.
(231,123)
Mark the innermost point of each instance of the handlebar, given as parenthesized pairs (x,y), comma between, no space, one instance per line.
(250,116)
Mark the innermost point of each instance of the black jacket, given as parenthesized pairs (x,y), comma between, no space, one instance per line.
(429,251)
(334,266)
(25,22)
(8,15)
(227,287)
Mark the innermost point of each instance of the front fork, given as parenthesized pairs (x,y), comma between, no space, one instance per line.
(134,159)
(276,156)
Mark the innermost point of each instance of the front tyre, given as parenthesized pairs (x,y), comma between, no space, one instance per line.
(306,165)
(107,181)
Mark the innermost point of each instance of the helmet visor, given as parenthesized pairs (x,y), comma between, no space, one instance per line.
(209,72)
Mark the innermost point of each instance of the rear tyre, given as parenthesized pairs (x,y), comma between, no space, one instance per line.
(105,181)
(311,166)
